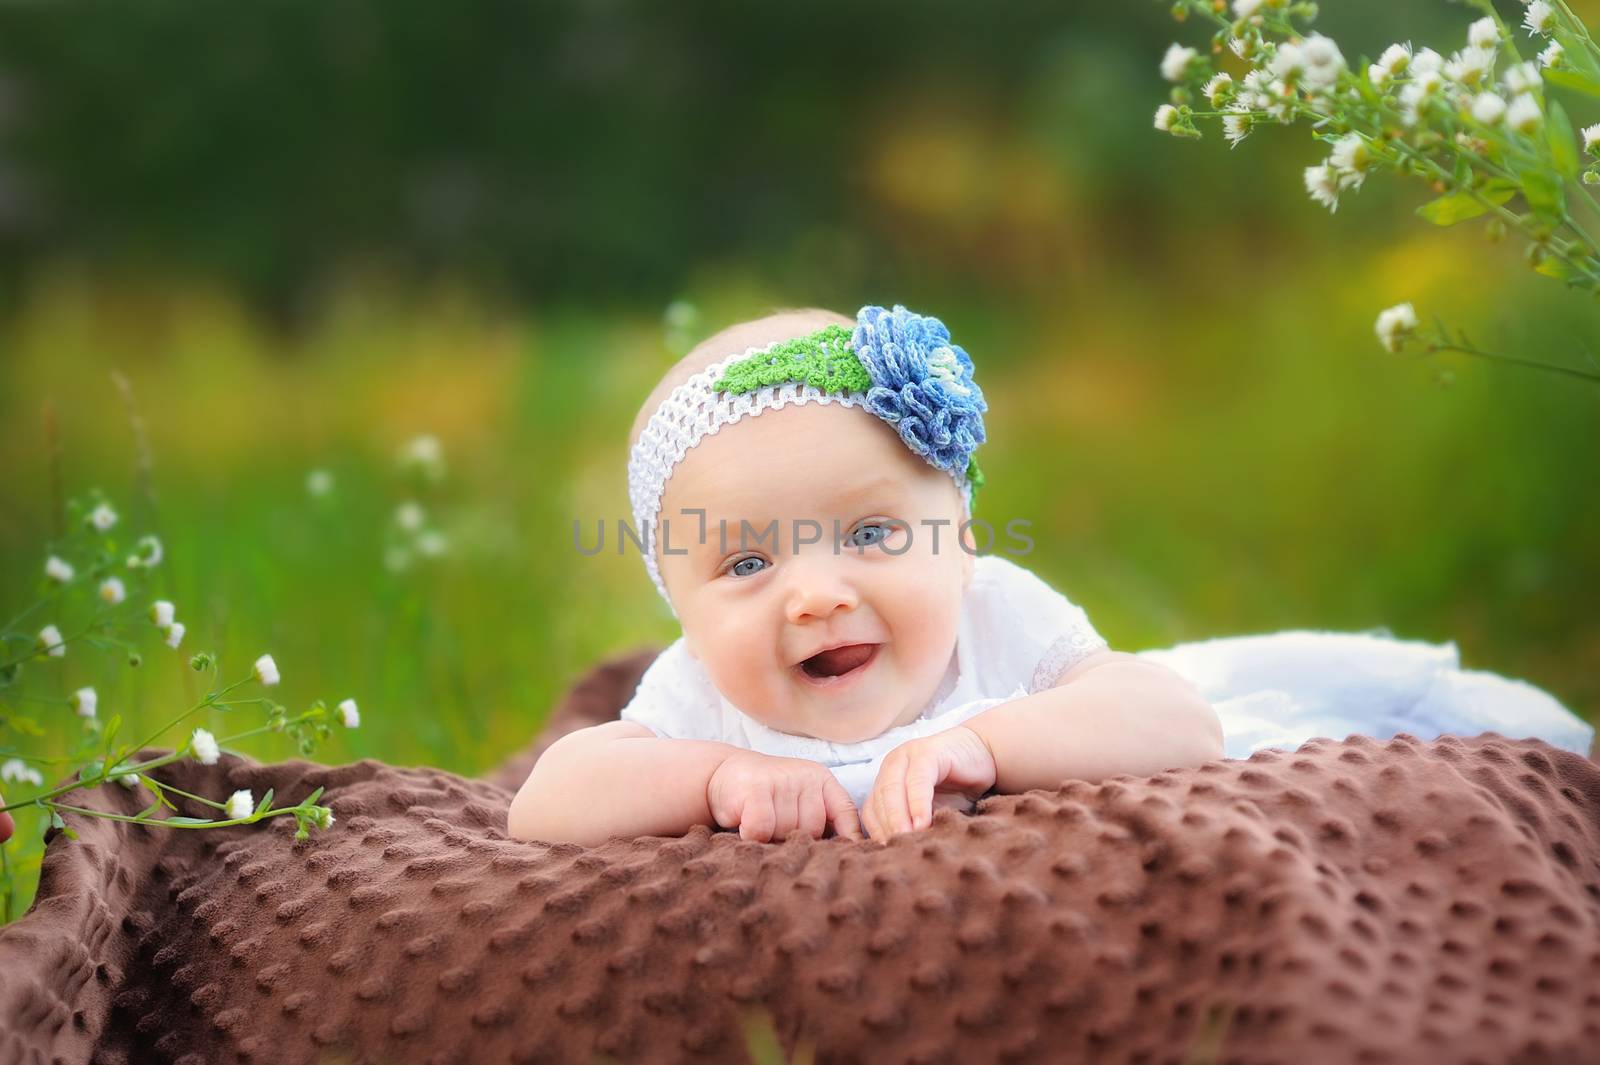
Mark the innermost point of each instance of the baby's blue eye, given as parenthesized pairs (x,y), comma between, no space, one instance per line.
(856,539)
(737,572)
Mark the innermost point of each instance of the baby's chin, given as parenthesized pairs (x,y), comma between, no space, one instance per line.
(850,729)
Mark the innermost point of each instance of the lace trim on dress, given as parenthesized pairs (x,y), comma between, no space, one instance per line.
(1066,652)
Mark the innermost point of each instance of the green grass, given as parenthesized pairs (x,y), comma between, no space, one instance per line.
(1241,461)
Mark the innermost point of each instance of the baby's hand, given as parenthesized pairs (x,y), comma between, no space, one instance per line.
(947,768)
(767,797)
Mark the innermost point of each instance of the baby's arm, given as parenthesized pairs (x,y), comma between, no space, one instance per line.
(620,779)
(1112,713)
(616,779)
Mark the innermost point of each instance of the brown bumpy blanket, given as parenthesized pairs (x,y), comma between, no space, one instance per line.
(1355,901)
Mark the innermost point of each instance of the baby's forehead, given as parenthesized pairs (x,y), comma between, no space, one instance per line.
(824,457)
(734,340)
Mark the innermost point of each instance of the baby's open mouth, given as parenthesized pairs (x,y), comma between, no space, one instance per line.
(839,661)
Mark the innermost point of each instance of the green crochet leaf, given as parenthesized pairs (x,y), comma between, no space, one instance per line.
(823,360)
(974,475)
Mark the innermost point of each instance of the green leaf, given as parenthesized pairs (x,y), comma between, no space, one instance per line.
(91,770)
(151,810)
(1455,207)
(1545,195)
(112,726)
(1573,79)
(189,821)
(25,725)
(55,820)
(1563,142)
(313,797)
(265,804)
(1550,266)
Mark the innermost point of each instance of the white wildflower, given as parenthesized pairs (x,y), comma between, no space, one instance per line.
(1540,18)
(58,569)
(203,745)
(1277,100)
(127,780)
(1488,108)
(1524,77)
(1352,158)
(322,816)
(1524,115)
(174,633)
(1322,183)
(409,515)
(85,701)
(1243,47)
(1218,89)
(319,482)
(15,770)
(425,455)
(1391,63)
(50,642)
(1175,64)
(1551,55)
(113,591)
(266,671)
(1591,139)
(1417,92)
(1245,8)
(1166,118)
(162,612)
(1253,91)
(1395,324)
(1483,33)
(102,518)
(1288,63)
(1236,127)
(241,804)
(432,544)
(1323,62)
(349,713)
(1470,66)
(1426,60)
(149,553)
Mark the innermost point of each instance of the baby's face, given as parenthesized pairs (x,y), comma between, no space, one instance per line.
(754,612)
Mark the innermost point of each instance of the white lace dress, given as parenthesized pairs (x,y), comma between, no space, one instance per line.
(1018,635)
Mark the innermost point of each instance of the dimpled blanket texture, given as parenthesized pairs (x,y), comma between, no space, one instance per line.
(1352,901)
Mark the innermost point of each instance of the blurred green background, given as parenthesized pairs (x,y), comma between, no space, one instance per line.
(307,233)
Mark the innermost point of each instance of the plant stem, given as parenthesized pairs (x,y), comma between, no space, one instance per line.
(84,810)
(1581,31)
(164,786)
(1446,345)
(154,763)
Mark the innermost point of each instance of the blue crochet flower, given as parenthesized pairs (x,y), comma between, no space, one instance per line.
(921,384)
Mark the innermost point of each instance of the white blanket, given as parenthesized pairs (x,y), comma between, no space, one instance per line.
(1281,689)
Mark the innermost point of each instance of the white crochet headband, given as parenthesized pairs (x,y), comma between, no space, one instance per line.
(897,365)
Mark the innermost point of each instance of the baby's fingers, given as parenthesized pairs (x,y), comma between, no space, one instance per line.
(759,817)
(840,810)
(889,800)
(813,813)
(920,782)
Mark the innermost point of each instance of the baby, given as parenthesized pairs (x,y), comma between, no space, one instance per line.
(803,487)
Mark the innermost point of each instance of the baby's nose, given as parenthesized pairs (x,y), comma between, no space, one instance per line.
(817,588)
